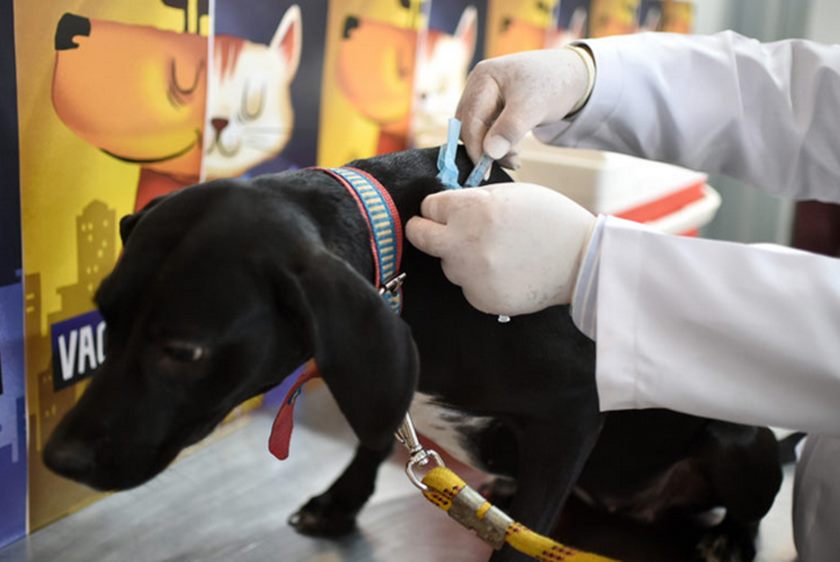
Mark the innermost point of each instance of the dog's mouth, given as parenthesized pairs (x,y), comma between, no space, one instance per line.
(105,467)
(108,464)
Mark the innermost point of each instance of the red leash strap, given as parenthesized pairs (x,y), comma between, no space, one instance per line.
(281,431)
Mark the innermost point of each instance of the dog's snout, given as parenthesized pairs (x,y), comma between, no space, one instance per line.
(72,459)
(69,27)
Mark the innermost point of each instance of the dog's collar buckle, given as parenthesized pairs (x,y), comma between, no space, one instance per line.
(419,456)
(393,285)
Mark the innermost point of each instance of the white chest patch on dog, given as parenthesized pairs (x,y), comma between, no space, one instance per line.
(449,428)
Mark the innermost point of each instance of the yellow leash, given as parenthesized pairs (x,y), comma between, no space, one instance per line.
(446,490)
(449,492)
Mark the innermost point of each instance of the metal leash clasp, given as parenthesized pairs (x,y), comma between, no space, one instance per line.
(393,285)
(406,434)
(419,456)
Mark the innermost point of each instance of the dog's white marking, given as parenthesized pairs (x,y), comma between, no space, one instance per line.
(446,427)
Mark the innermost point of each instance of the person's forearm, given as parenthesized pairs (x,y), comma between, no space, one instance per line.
(767,114)
(742,333)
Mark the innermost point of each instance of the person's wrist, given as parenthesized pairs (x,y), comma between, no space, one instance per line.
(585,293)
(589,65)
(584,248)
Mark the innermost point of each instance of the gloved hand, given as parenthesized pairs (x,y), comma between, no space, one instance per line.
(507,96)
(514,248)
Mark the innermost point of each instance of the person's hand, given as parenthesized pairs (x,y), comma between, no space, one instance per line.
(506,97)
(514,248)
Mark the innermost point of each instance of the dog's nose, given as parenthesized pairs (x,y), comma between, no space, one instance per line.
(219,124)
(72,459)
(70,26)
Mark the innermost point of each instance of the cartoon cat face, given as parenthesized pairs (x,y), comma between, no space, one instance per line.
(249,110)
(441,77)
(573,30)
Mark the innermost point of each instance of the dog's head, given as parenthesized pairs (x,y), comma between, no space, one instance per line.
(221,291)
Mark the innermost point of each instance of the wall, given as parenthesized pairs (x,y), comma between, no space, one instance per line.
(823,22)
(748,214)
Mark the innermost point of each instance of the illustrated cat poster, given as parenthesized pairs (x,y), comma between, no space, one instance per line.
(450,47)
(368,81)
(13,455)
(677,16)
(650,15)
(673,16)
(572,22)
(265,82)
(519,25)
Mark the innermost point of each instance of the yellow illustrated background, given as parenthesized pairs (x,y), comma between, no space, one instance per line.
(72,196)
(344,133)
(613,17)
(60,172)
(537,16)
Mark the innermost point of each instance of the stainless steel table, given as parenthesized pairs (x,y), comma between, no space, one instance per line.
(229,501)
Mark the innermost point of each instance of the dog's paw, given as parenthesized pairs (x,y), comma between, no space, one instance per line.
(322,517)
(717,546)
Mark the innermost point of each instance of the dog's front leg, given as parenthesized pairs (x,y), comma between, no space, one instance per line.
(333,513)
(551,456)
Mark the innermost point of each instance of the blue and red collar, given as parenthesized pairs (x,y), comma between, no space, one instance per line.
(384,225)
(386,240)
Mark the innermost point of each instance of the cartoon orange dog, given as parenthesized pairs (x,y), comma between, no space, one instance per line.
(613,17)
(376,67)
(519,25)
(137,93)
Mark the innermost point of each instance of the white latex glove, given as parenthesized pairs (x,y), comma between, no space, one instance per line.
(507,96)
(514,248)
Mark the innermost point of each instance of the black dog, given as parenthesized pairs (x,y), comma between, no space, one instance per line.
(224,288)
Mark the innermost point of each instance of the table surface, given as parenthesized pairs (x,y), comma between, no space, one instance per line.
(229,500)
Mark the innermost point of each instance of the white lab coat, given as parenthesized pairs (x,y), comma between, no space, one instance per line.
(743,333)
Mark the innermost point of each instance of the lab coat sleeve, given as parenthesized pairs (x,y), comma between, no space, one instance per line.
(767,114)
(744,333)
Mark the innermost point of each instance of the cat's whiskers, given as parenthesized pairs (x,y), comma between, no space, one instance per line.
(252,113)
(262,146)
(261,129)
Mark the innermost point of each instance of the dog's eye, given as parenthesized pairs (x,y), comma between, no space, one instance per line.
(183,351)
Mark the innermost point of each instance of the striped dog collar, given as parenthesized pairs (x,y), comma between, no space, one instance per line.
(386,238)
(386,233)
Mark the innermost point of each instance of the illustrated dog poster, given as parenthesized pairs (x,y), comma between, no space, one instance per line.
(111,114)
(368,85)
(677,16)
(519,25)
(613,17)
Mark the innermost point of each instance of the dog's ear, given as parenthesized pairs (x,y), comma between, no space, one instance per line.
(363,349)
(128,222)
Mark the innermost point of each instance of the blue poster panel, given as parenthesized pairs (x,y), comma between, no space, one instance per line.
(13,472)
